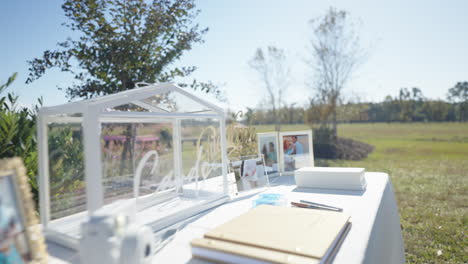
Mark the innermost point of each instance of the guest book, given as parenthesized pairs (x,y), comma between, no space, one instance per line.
(274,234)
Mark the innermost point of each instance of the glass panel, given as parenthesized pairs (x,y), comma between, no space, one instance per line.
(175,102)
(128,108)
(125,146)
(201,156)
(66,170)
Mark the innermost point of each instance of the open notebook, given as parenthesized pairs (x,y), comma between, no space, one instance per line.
(273,234)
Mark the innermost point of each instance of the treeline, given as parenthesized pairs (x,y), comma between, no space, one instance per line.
(410,105)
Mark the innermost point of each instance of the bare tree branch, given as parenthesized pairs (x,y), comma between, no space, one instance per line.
(336,53)
(275,75)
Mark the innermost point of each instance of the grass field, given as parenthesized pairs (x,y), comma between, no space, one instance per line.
(428,166)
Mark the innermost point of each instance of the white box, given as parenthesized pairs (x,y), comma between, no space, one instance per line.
(331,178)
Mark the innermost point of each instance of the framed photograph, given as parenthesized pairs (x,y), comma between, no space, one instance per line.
(268,146)
(296,151)
(21,240)
(249,172)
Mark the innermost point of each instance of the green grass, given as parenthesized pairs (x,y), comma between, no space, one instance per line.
(428,167)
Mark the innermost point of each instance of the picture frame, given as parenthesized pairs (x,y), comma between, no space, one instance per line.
(248,173)
(268,145)
(296,151)
(21,239)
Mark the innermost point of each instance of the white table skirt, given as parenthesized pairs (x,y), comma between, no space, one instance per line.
(375,235)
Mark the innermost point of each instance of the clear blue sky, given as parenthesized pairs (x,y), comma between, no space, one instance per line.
(413,43)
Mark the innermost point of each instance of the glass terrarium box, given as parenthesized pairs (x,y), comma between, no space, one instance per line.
(156,149)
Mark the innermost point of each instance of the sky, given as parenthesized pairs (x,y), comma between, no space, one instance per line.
(410,44)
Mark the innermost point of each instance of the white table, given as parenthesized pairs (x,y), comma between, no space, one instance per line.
(375,235)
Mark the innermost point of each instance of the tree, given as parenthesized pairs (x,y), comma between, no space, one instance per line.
(436,110)
(249,116)
(274,73)
(411,104)
(459,96)
(121,43)
(336,53)
(315,111)
(391,109)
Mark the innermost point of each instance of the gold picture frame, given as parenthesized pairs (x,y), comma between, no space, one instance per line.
(22,239)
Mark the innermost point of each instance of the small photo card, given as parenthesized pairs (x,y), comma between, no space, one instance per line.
(268,147)
(249,172)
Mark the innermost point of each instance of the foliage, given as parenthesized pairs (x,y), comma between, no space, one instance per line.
(410,103)
(336,53)
(435,110)
(120,43)
(249,116)
(10,80)
(459,95)
(324,144)
(166,136)
(18,134)
(18,139)
(407,106)
(66,169)
(275,75)
(123,42)
(66,160)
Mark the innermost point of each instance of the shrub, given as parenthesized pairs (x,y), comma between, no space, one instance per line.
(18,136)
(326,146)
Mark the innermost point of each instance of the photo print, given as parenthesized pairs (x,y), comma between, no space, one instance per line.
(296,150)
(268,147)
(249,172)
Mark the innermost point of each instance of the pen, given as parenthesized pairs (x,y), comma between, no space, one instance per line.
(322,205)
(303,205)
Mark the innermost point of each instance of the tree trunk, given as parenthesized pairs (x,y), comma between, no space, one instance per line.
(277,120)
(333,104)
(334,123)
(127,159)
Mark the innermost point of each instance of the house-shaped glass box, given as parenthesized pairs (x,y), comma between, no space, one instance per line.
(157,146)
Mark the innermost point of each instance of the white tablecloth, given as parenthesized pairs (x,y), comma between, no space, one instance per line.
(375,235)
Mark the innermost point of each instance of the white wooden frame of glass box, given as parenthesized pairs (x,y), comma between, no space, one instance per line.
(93,114)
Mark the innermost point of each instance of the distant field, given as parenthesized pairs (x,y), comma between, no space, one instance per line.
(428,166)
